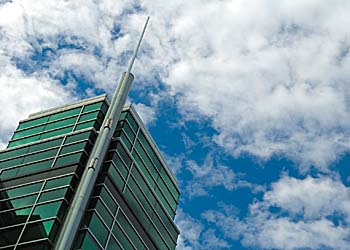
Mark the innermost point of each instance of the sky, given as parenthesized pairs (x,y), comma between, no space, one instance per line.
(248,100)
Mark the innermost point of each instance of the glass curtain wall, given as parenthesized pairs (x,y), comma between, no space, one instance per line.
(135,172)
(39,172)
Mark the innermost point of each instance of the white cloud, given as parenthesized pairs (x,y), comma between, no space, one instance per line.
(194,235)
(147,113)
(271,76)
(213,174)
(22,95)
(311,197)
(310,213)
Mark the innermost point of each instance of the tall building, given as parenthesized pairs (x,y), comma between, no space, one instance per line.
(133,198)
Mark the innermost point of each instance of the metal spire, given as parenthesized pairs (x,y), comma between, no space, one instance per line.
(77,209)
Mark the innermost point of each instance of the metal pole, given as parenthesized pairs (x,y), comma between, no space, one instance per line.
(80,201)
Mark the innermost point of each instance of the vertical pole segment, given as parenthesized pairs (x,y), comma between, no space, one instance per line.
(80,201)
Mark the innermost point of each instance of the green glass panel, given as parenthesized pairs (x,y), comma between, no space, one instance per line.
(124,242)
(24,141)
(27,189)
(68,159)
(22,202)
(132,122)
(144,169)
(113,245)
(56,132)
(64,114)
(146,159)
(159,241)
(123,154)
(12,153)
(107,198)
(11,218)
(61,123)
(88,116)
(129,131)
(140,196)
(116,177)
(40,156)
(92,106)
(159,166)
(27,132)
(51,195)
(103,212)
(150,151)
(126,141)
(58,182)
(98,229)
(46,211)
(167,222)
(35,167)
(163,201)
(34,122)
(166,193)
(45,145)
(11,163)
(84,125)
(89,243)
(120,165)
(38,230)
(26,169)
(73,147)
(170,184)
(136,207)
(129,230)
(139,179)
(78,137)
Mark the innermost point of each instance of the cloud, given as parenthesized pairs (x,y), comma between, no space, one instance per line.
(194,235)
(271,77)
(310,213)
(212,174)
(147,113)
(311,198)
(22,95)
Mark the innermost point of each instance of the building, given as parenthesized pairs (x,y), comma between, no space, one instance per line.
(133,198)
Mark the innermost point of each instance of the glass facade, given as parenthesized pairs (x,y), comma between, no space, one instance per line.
(134,170)
(134,199)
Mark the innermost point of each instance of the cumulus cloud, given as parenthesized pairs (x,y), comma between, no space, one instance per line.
(22,95)
(195,236)
(272,77)
(310,213)
(213,174)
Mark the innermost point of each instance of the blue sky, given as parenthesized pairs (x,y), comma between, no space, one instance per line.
(248,101)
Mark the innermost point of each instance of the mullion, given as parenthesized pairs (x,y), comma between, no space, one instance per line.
(158,171)
(30,214)
(155,181)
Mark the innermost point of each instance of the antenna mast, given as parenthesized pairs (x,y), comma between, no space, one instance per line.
(80,201)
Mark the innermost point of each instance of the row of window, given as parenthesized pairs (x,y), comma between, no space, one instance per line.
(140,195)
(34,211)
(53,153)
(141,154)
(128,134)
(58,116)
(109,227)
(58,124)
(143,192)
